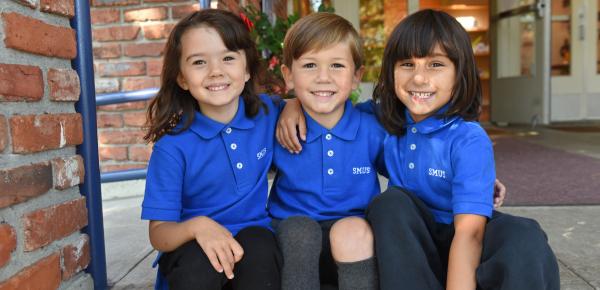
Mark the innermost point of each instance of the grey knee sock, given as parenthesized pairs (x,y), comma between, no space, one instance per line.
(361,275)
(299,239)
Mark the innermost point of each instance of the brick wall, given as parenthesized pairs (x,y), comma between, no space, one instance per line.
(129,36)
(41,209)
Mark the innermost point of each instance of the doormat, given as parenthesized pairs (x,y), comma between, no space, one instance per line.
(538,175)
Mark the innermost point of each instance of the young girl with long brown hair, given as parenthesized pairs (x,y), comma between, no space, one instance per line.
(206,187)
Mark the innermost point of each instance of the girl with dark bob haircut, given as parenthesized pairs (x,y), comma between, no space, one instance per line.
(417,37)
(436,227)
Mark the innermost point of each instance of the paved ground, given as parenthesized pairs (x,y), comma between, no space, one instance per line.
(573,231)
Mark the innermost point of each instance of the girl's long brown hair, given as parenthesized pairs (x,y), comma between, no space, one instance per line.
(173,104)
(416,36)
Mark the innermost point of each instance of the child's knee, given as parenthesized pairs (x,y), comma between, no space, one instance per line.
(352,228)
(351,238)
(391,201)
(300,233)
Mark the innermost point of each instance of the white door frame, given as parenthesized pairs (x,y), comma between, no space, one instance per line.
(576,97)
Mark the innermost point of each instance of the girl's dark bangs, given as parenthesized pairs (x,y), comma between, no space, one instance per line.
(419,44)
(419,40)
(234,40)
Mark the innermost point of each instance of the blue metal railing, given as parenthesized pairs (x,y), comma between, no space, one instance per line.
(124,97)
(86,106)
(122,175)
(117,98)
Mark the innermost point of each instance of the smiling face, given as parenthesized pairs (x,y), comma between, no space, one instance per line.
(424,85)
(323,80)
(214,75)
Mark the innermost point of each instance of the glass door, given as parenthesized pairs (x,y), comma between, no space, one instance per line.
(520,82)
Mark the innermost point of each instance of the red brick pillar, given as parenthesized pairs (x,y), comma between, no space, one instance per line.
(129,37)
(41,208)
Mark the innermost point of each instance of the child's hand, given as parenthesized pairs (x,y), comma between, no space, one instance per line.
(286,133)
(218,244)
(499,193)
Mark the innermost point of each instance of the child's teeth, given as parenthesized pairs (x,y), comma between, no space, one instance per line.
(216,88)
(323,94)
(422,95)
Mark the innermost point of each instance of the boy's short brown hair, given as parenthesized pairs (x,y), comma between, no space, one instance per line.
(317,31)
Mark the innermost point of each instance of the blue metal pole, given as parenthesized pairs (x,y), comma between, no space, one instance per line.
(204,4)
(86,106)
(122,175)
(124,97)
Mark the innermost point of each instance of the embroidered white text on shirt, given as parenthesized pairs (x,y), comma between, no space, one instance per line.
(361,170)
(437,173)
(261,154)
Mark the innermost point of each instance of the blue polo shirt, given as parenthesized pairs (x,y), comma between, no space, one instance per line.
(335,174)
(215,170)
(448,163)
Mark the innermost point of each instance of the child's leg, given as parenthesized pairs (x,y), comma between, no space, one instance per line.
(300,241)
(187,267)
(516,256)
(327,267)
(406,242)
(260,266)
(352,248)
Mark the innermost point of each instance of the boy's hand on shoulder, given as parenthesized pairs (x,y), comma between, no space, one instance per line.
(286,133)
(217,242)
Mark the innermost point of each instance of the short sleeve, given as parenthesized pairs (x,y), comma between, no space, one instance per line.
(474,175)
(164,186)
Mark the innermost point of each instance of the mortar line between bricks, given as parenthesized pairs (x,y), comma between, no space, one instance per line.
(131,269)
(576,274)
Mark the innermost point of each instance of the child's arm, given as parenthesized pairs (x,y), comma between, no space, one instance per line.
(465,251)
(286,133)
(222,250)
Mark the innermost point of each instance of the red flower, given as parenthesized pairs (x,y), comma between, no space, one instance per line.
(247,21)
(273,62)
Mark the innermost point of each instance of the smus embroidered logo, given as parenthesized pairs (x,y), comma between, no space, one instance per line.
(261,154)
(437,173)
(361,170)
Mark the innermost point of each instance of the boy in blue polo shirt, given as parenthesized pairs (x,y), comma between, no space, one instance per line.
(206,186)
(319,196)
